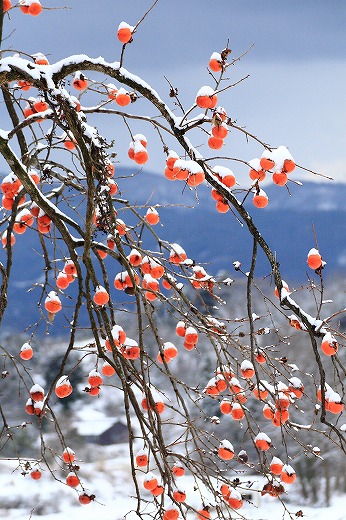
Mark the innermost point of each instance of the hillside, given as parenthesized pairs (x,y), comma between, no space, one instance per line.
(210,238)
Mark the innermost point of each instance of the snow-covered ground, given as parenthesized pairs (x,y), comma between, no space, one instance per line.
(22,498)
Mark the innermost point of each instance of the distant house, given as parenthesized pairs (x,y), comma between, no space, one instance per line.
(95,427)
(115,434)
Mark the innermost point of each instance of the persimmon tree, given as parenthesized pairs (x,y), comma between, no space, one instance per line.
(61,186)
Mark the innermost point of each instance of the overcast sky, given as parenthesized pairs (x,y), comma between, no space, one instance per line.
(295,94)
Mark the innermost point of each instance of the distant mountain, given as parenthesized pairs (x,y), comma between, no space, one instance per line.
(210,238)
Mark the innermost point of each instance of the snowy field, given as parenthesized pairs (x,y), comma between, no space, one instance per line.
(22,498)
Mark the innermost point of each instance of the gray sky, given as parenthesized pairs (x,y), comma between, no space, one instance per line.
(295,94)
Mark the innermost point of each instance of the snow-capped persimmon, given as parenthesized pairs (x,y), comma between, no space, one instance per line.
(296,387)
(247,369)
(40,59)
(23,7)
(260,356)
(289,165)
(225,175)
(24,219)
(111,91)
(235,499)
(178,469)
(29,407)
(158,403)
(177,254)
(226,406)
(314,259)
(195,179)
(260,199)
(70,268)
(282,402)
(224,370)
(288,475)
(206,97)
(152,216)
(157,270)
(280,178)
(26,352)
(150,481)
(68,455)
(120,227)
(329,345)
(69,144)
(294,322)
(110,170)
(63,387)
(179,495)
(137,151)
(262,441)
(35,474)
(276,466)
(335,405)
(34,7)
(37,393)
(211,388)
(267,161)
(62,280)
(4,238)
(130,350)
(191,335)
(256,172)
(43,222)
(72,480)
(142,459)
(94,378)
(158,490)
(101,296)
(118,336)
(125,32)
(135,258)
(171,513)
(221,383)
(52,303)
(260,392)
(180,329)
(170,351)
(122,97)
(203,513)
(225,450)
(149,282)
(215,62)
(38,408)
(112,187)
(76,103)
(79,82)
(280,417)
(172,157)
(40,105)
(237,412)
(107,369)
(181,169)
